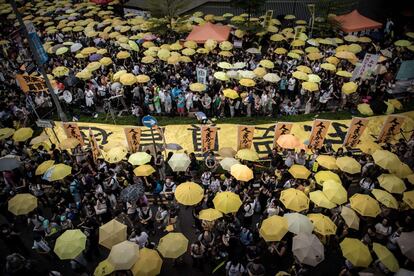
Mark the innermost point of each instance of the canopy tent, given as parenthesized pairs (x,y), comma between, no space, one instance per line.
(201,34)
(355,22)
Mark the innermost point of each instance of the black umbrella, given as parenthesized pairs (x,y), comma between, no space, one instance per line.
(132,193)
(70,80)
(9,162)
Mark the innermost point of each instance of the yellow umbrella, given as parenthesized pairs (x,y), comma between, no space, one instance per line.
(288,141)
(147,59)
(115,155)
(227,152)
(70,244)
(385,198)
(297,43)
(61,51)
(386,159)
(164,54)
(277,37)
(327,161)
(93,66)
(22,204)
(311,50)
(356,252)
(320,199)
(346,55)
(111,233)
(88,50)
(189,193)
(267,64)
(260,72)
(274,228)
(104,268)
(348,164)
(142,78)
(408,198)
(123,55)
(241,172)
(197,87)
(365,205)
(294,199)
(44,167)
(349,87)
(304,69)
(105,61)
(410,178)
(247,154)
(328,66)
(221,76)
(280,51)
(335,192)
(123,255)
(210,214)
(173,245)
(133,45)
(128,79)
(350,217)
(22,134)
(230,93)
(322,224)
(332,60)
(39,139)
(210,44)
(144,170)
(69,143)
(299,171)
(148,44)
(314,56)
(354,48)
(364,39)
(6,133)
(396,103)
(149,263)
(365,109)
(386,257)
(314,78)
(173,60)
(402,43)
(84,74)
(392,183)
(310,86)
(226,46)
(247,82)
(176,47)
(344,74)
(224,65)
(57,172)
(227,202)
(139,158)
(190,44)
(300,75)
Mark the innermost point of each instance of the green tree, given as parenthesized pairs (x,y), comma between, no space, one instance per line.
(250,7)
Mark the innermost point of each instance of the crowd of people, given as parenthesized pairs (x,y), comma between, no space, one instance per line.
(91,195)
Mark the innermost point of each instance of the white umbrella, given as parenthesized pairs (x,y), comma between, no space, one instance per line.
(75,47)
(247,74)
(271,77)
(233,74)
(299,224)
(308,249)
(227,162)
(253,51)
(179,162)
(239,65)
(406,243)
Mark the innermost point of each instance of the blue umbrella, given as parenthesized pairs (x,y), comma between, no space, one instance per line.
(95,57)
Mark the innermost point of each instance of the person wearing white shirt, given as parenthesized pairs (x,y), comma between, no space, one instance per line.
(140,238)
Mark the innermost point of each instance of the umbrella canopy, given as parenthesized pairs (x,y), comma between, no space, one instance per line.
(247,154)
(365,205)
(139,158)
(335,192)
(111,233)
(228,162)
(42,168)
(408,198)
(227,152)
(300,75)
(198,87)
(132,192)
(173,245)
(386,159)
(6,133)
(294,199)
(128,79)
(144,170)
(124,255)
(22,204)
(104,268)
(288,141)
(274,228)
(271,77)
(143,78)
(392,183)
(115,155)
(210,214)
(406,244)
(308,249)
(327,161)
(323,224)
(320,199)
(9,163)
(310,86)
(385,198)
(241,172)
(349,87)
(149,263)
(179,162)
(230,93)
(350,217)
(323,176)
(356,252)
(22,134)
(299,171)
(298,223)
(57,172)
(386,257)
(75,47)
(348,164)
(189,193)
(227,202)
(365,109)
(70,244)
(223,77)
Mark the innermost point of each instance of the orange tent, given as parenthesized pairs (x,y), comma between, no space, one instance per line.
(355,22)
(200,34)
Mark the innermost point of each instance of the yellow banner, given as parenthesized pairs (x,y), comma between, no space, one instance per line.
(189,136)
(319,131)
(208,137)
(281,128)
(391,127)
(245,137)
(72,131)
(355,130)
(133,138)
(30,83)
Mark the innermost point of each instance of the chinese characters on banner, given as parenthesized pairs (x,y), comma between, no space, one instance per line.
(201,75)
(319,131)
(72,131)
(245,137)
(94,145)
(133,137)
(281,128)
(391,127)
(208,138)
(355,130)
(31,84)
(367,67)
